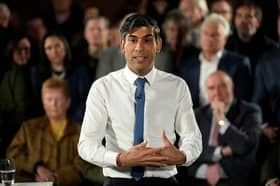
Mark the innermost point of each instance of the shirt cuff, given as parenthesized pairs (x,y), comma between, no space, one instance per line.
(188,161)
(111,158)
(217,154)
(224,127)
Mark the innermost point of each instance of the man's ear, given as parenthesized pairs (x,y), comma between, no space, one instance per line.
(258,24)
(122,43)
(159,45)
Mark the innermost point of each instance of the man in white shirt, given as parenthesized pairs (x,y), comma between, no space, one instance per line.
(110,113)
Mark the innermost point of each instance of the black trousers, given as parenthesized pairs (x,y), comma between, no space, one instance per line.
(143,182)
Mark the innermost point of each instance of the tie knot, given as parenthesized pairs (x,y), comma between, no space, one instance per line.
(140,82)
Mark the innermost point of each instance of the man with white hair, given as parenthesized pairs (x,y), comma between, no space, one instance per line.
(5,15)
(195,69)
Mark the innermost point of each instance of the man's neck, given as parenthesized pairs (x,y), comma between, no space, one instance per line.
(94,49)
(208,56)
(245,38)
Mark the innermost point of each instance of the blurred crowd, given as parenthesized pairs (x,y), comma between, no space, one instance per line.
(78,44)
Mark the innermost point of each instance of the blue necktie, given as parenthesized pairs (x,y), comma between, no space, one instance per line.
(138,172)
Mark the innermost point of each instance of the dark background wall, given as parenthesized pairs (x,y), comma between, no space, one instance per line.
(109,8)
(114,9)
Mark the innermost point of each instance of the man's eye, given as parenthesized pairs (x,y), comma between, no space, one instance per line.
(48,48)
(132,40)
(148,40)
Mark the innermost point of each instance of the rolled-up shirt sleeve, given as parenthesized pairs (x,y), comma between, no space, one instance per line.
(186,126)
(93,128)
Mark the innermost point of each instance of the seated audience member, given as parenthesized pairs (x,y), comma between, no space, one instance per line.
(175,28)
(45,148)
(5,15)
(111,58)
(91,10)
(158,9)
(57,62)
(65,16)
(114,34)
(36,31)
(213,56)
(14,87)
(266,94)
(271,167)
(195,11)
(248,38)
(230,134)
(223,8)
(95,41)
(267,91)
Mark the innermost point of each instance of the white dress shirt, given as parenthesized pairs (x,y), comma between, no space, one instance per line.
(110,113)
(206,68)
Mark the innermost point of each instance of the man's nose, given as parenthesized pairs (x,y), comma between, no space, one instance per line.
(53,102)
(139,45)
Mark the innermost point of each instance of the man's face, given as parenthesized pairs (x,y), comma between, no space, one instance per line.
(219,88)
(95,32)
(55,103)
(4,19)
(246,22)
(62,5)
(192,13)
(171,33)
(36,29)
(212,39)
(140,48)
(222,8)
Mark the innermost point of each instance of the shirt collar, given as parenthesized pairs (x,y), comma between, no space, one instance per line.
(131,76)
(215,58)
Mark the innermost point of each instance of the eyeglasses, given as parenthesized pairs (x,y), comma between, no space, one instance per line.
(21,49)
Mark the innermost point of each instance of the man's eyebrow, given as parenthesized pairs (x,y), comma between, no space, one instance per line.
(145,36)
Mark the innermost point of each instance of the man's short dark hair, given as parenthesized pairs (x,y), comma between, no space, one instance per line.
(251,4)
(137,20)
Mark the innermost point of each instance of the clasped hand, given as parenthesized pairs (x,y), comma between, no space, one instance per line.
(142,155)
(44,174)
(218,108)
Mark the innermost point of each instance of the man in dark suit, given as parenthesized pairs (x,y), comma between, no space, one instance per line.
(195,69)
(248,37)
(267,96)
(236,126)
(267,92)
